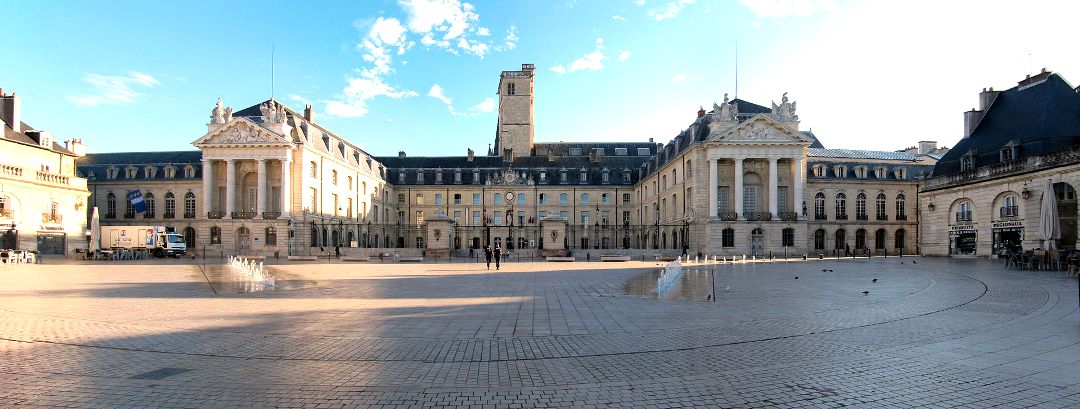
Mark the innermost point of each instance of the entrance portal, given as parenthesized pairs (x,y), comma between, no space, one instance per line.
(757,242)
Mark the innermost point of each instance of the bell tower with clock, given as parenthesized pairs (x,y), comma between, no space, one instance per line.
(514,132)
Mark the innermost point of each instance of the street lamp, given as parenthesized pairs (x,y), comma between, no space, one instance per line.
(510,227)
(656,213)
(685,242)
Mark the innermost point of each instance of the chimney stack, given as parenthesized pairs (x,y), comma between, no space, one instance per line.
(308,115)
(470,155)
(926,147)
(971,120)
(10,111)
(701,112)
(76,147)
(987,97)
(401,154)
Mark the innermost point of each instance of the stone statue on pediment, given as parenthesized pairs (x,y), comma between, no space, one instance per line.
(272,112)
(786,110)
(727,111)
(228,114)
(216,115)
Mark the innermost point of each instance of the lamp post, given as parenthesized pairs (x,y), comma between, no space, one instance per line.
(510,225)
(685,230)
(656,237)
(597,228)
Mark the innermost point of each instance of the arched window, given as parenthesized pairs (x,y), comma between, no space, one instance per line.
(325,237)
(689,170)
(898,239)
(819,239)
(151,206)
(129,209)
(270,236)
(314,237)
(819,206)
(860,239)
(314,170)
(728,237)
(839,239)
(963,213)
(860,207)
(879,207)
(841,206)
(879,239)
(334,239)
(901,207)
(189,238)
(170,205)
(215,235)
(189,205)
(333,177)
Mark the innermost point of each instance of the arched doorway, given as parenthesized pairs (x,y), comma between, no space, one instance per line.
(334,239)
(757,242)
(475,242)
(351,239)
(189,238)
(243,240)
(457,243)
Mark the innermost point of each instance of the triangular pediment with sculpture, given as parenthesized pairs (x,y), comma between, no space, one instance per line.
(241,131)
(761,128)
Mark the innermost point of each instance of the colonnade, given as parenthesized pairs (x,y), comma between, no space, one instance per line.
(261,208)
(797,173)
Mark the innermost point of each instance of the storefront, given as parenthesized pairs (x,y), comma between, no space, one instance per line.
(962,240)
(1008,236)
(9,236)
(52,240)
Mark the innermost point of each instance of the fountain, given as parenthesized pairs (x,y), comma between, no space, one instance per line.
(251,271)
(669,275)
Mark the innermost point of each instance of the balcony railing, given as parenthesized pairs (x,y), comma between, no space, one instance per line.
(1009,211)
(963,216)
(243,215)
(901,217)
(841,216)
(820,216)
(148,215)
(129,215)
(758,216)
(52,178)
(168,215)
(862,217)
(215,215)
(9,170)
(271,215)
(47,218)
(729,216)
(189,215)
(789,216)
(882,216)
(7,214)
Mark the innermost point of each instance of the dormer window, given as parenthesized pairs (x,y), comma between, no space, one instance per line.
(562,176)
(476,176)
(818,170)
(966,162)
(130,172)
(457,176)
(860,172)
(438,176)
(326,141)
(900,173)
(420,176)
(170,171)
(401,177)
(879,172)
(150,172)
(626,176)
(341,148)
(111,172)
(840,171)
(606,176)
(584,176)
(543,176)
(1008,153)
(575,151)
(189,172)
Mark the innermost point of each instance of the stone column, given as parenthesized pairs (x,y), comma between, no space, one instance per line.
(797,176)
(260,192)
(208,185)
(737,195)
(230,187)
(712,189)
(286,187)
(772,187)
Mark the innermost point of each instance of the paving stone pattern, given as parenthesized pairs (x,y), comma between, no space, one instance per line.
(940,333)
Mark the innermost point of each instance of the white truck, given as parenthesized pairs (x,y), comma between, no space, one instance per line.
(160,240)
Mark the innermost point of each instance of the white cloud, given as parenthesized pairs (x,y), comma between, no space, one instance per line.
(618,18)
(639,2)
(679,77)
(437,93)
(113,89)
(450,19)
(787,8)
(510,40)
(668,10)
(593,61)
(483,31)
(624,55)
(487,105)
(298,99)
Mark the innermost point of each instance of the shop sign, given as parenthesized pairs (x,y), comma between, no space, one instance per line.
(1007,224)
(962,229)
(51,228)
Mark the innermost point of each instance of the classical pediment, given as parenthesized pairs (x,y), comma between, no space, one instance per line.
(241,131)
(759,129)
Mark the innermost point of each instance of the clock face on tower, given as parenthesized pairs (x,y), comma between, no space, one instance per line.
(509,197)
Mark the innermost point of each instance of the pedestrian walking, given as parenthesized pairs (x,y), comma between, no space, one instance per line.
(337,251)
(487,256)
(498,256)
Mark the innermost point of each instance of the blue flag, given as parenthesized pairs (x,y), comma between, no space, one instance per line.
(135,197)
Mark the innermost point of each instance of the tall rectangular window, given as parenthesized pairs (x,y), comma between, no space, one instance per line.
(419,218)
(476,217)
(584,217)
(497,198)
(457,216)
(438,198)
(498,218)
(722,194)
(789,237)
(475,198)
(783,204)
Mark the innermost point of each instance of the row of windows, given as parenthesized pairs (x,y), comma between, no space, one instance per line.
(583,177)
(519,198)
(840,240)
(150,202)
(860,207)
(314,173)
(149,172)
(496,218)
(860,171)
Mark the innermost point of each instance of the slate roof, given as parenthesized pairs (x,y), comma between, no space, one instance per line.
(860,154)
(1039,118)
(914,171)
(99,162)
(22,138)
(530,165)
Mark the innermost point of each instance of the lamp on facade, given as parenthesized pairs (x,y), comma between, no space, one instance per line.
(930,207)
(1025,193)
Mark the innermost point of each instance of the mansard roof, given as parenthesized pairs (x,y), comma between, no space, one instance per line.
(99,162)
(23,138)
(860,154)
(1039,117)
(530,165)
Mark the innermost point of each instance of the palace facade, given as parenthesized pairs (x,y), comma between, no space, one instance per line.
(741,179)
(43,203)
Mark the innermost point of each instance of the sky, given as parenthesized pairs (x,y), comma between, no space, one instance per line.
(422,75)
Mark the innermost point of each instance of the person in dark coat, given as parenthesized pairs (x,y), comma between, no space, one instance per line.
(498,256)
(487,256)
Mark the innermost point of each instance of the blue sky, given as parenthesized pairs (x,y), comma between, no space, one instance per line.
(421,75)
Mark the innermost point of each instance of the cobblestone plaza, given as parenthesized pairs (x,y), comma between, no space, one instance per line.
(929,333)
